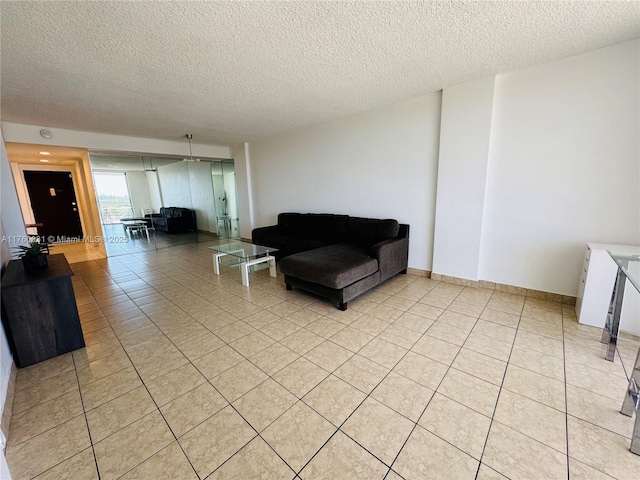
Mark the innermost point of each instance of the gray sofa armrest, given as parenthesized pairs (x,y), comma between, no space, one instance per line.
(392,256)
(258,232)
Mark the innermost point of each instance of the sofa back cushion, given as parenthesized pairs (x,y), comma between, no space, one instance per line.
(366,232)
(321,226)
(173,212)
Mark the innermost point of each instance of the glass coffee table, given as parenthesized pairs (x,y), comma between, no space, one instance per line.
(135,225)
(248,254)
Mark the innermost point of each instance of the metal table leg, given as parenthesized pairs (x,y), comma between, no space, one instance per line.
(612,325)
(631,403)
(635,440)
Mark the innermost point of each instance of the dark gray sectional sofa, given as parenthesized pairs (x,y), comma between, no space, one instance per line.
(336,256)
(173,220)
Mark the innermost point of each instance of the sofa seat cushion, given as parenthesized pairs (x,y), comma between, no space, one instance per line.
(335,266)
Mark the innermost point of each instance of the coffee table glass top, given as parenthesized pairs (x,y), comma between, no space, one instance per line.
(244,250)
(134,220)
(630,265)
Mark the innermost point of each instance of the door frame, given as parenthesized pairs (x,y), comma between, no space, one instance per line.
(25,199)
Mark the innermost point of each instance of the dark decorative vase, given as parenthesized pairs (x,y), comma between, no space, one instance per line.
(34,263)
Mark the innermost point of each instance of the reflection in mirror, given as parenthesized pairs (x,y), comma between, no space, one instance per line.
(201,193)
(175,222)
(225,200)
(178,201)
(120,191)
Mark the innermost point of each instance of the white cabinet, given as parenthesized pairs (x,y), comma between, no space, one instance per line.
(596,285)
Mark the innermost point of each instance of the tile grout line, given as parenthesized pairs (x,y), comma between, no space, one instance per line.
(207,380)
(86,420)
(566,400)
(301,400)
(258,434)
(154,402)
(578,418)
(75,368)
(486,440)
(84,411)
(220,393)
(192,290)
(416,423)
(367,395)
(99,308)
(186,313)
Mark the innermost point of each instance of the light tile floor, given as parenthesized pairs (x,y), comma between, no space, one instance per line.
(78,251)
(187,375)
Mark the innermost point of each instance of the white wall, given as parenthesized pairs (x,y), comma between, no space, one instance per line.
(138,192)
(379,164)
(546,160)
(564,167)
(13,222)
(462,173)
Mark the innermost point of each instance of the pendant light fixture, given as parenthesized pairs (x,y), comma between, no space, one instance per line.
(190,159)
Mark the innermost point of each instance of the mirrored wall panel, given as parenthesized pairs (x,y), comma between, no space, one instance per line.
(223,180)
(150,202)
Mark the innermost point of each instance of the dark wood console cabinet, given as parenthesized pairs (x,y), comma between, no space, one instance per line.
(40,312)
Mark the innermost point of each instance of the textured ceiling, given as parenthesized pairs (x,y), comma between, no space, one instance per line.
(236,71)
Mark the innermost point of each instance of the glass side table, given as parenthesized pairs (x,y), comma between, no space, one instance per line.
(628,268)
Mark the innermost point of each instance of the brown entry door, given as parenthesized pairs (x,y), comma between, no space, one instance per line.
(54,203)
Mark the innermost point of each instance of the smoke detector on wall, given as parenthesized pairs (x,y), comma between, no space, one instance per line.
(190,159)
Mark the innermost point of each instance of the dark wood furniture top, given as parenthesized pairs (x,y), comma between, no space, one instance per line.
(15,275)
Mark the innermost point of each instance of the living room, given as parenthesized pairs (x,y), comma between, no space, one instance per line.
(503,175)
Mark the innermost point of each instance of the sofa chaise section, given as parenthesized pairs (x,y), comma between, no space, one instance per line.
(339,257)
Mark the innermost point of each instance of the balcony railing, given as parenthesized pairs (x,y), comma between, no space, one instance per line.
(114,214)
